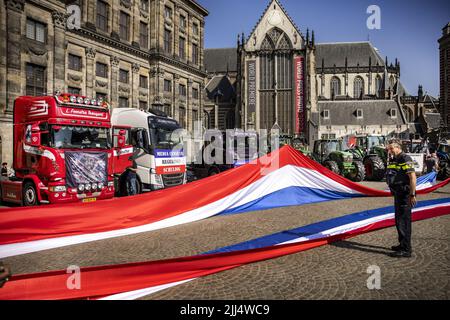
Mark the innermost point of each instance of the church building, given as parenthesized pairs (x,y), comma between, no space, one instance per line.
(283,78)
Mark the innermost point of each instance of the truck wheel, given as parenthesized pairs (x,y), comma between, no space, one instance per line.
(139,185)
(213,172)
(29,194)
(358,174)
(375,169)
(332,165)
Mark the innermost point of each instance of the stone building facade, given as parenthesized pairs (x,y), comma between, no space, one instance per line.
(285,80)
(444,59)
(133,53)
(273,64)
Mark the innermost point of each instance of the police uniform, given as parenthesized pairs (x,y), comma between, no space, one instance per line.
(397,178)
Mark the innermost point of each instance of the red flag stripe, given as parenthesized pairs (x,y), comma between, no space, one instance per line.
(102,281)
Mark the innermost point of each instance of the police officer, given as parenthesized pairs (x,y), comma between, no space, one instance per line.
(401,178)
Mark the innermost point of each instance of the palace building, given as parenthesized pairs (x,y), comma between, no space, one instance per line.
(133,53)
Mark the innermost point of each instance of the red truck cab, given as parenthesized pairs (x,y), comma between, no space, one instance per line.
(62,151)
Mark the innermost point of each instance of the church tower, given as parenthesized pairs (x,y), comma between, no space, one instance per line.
(274,61)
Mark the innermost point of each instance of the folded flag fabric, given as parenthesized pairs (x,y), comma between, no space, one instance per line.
(282,178)
(138,279)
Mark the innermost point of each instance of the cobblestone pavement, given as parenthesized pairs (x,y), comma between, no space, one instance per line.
(337,271)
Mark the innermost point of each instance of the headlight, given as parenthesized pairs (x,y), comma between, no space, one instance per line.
(158,179)
(57,189)
(80,100)
(81,187)
(87,101)
(87,186)
(73,99)
(94,186)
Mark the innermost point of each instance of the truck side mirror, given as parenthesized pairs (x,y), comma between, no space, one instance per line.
(33,135)
(35,139)
(121,139)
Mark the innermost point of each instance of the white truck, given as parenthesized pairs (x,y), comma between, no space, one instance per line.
(160,161)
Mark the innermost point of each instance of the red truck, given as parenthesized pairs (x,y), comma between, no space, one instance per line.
(62,151)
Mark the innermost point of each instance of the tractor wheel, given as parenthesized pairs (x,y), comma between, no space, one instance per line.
(358,174)
(375,169)
(29,194)
(333,166)
(444,173)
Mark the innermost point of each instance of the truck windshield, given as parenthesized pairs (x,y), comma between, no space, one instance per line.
(163,132)
(73,137)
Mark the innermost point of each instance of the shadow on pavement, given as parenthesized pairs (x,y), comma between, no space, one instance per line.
(362,247)
(441,192)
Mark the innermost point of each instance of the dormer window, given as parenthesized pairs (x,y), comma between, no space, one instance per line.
(359,113)
(393,113)
(326,114)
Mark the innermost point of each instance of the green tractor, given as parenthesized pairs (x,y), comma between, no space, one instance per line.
(298,143)
(331,154)
(443,154)
(371,151)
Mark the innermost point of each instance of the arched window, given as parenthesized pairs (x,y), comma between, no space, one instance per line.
(392,82)
(408,113)
(276,81)
(358,87)
(335,87)
(284,43)
(267,44)
(206,120)
(378,86)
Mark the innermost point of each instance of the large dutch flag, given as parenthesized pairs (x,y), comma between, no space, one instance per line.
(282,178)
(134,280)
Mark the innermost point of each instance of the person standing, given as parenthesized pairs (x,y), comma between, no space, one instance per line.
(432,163)
(131,179)
(401,178)
(4,171)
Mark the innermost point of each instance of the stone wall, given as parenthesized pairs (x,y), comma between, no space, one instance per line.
(93,45)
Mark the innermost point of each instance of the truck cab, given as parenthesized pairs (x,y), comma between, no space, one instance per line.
(154,139)
(62,151)
(242,148)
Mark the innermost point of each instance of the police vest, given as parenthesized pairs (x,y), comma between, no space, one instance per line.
(397,176)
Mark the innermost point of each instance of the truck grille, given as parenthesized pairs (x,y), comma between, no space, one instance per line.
(172,180)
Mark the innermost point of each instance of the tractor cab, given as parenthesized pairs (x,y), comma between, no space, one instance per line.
(331,154)
(371,150)
(443,153)
(323,148)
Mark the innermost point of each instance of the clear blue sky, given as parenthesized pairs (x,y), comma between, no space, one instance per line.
(409,29)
